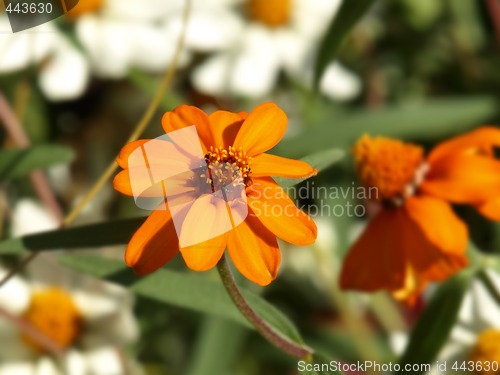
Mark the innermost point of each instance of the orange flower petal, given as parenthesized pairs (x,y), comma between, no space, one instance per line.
(184,116)
(254,251)
(437,242)
(480,139)
(272,165)
(225,126)
(153,245)
(376,261)
(125,152)
(206,219)
(262,130)
(269,202)
(121,182)
(464,178)
(490,209)
(205,255)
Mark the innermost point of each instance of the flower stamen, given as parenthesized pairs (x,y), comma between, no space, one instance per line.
(54,314)
(228,167)
(84,7)
(487,349)
(272,13)
(394,168)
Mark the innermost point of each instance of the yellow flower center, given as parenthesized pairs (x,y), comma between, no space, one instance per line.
(54,314)
(487,349)
(229,166)
(394,168)
(272,13)
(83,7)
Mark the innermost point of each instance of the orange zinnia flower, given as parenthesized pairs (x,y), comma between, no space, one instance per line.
(415,237)
(238,140)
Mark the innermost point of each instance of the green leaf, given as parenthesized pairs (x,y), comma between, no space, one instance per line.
(190,290)
(347,16)
(102,234)
(320,160)
(436,322)
(424,121)
(16,163)
(217,347)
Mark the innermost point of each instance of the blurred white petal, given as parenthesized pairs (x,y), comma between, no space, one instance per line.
(15,296)
(257,66)
(212,29)
(211,77)
(75,363)
(46,366)
(253,76)
(66,73)
(153,48)
(105,361)
(398,341)
(17,368)
(106,43)
(462,336)
(486,308)
(312,17)
(22,49)
(94,306)
(30,217)
(119,329)
(339,84)
(143,11)
(126,327)
(294,50)
(466,313)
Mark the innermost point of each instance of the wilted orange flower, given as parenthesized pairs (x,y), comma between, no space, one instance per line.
(239,141)
(416,237)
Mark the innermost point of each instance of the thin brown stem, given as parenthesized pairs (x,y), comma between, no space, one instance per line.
(278,340)
(494,10)
(29,330)
(40,183)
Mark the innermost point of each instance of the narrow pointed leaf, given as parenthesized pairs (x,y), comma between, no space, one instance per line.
(188,290)
(116,232)
(436,322)
(349,13)
(16,163)
(320,160)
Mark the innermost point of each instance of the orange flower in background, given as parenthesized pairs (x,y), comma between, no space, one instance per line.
(416,237)
(239,141)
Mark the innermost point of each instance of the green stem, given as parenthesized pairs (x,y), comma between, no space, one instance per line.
(290,347)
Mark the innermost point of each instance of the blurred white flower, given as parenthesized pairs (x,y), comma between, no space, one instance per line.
(63,71)
(90,322)
(476,334)
(120,34)
(278,35)
(116,35)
